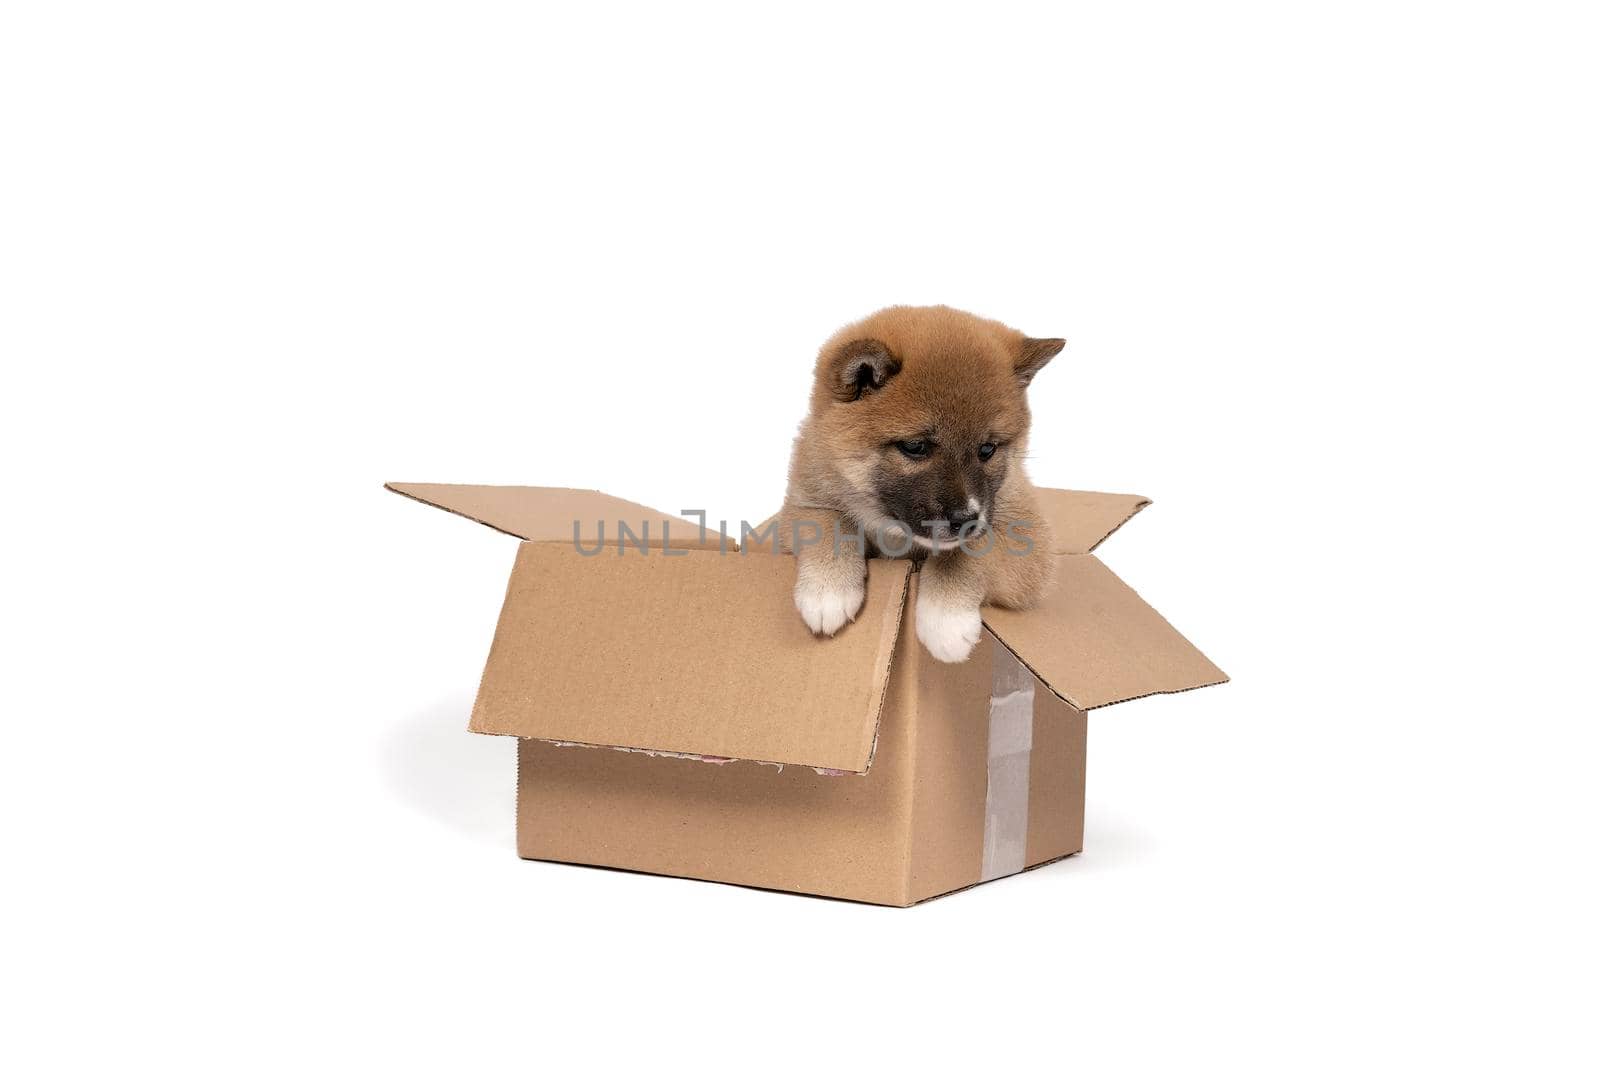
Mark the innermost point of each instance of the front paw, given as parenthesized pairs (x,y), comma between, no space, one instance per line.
(827,606)
(948,632)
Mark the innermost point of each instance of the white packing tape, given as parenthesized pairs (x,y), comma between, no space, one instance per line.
(1005,807)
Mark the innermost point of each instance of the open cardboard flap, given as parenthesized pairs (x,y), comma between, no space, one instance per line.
(700,654)
(1094,642)
(1079,521)
(703,654)
(539,513)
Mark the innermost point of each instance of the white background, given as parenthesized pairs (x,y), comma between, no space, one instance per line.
(1328,274)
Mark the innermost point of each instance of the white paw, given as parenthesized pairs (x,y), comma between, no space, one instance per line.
(948,633)
(826,608)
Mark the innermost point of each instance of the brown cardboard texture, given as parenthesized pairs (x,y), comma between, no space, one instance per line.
(855,766)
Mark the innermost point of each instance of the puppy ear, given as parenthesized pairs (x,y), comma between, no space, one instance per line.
(860,367)
(1035,353)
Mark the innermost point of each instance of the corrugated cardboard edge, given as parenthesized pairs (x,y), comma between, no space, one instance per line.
(883,663)
(888,643)
(908,842)
(1136,509)
(1080,520)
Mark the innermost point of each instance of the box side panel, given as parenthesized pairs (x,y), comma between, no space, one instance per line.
(951,739)
(745,823)
(1056,779)
(950,730)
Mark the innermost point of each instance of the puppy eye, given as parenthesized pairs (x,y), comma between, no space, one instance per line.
(985,451)
(914,449)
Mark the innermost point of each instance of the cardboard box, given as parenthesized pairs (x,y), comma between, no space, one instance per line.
(676,716)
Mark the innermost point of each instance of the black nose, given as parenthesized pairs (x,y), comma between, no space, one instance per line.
(959,517)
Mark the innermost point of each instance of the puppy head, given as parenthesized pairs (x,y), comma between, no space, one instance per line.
(922,413)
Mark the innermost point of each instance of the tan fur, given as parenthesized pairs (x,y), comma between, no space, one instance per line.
(918,374)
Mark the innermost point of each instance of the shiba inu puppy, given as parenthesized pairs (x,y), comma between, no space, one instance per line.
(913,448)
